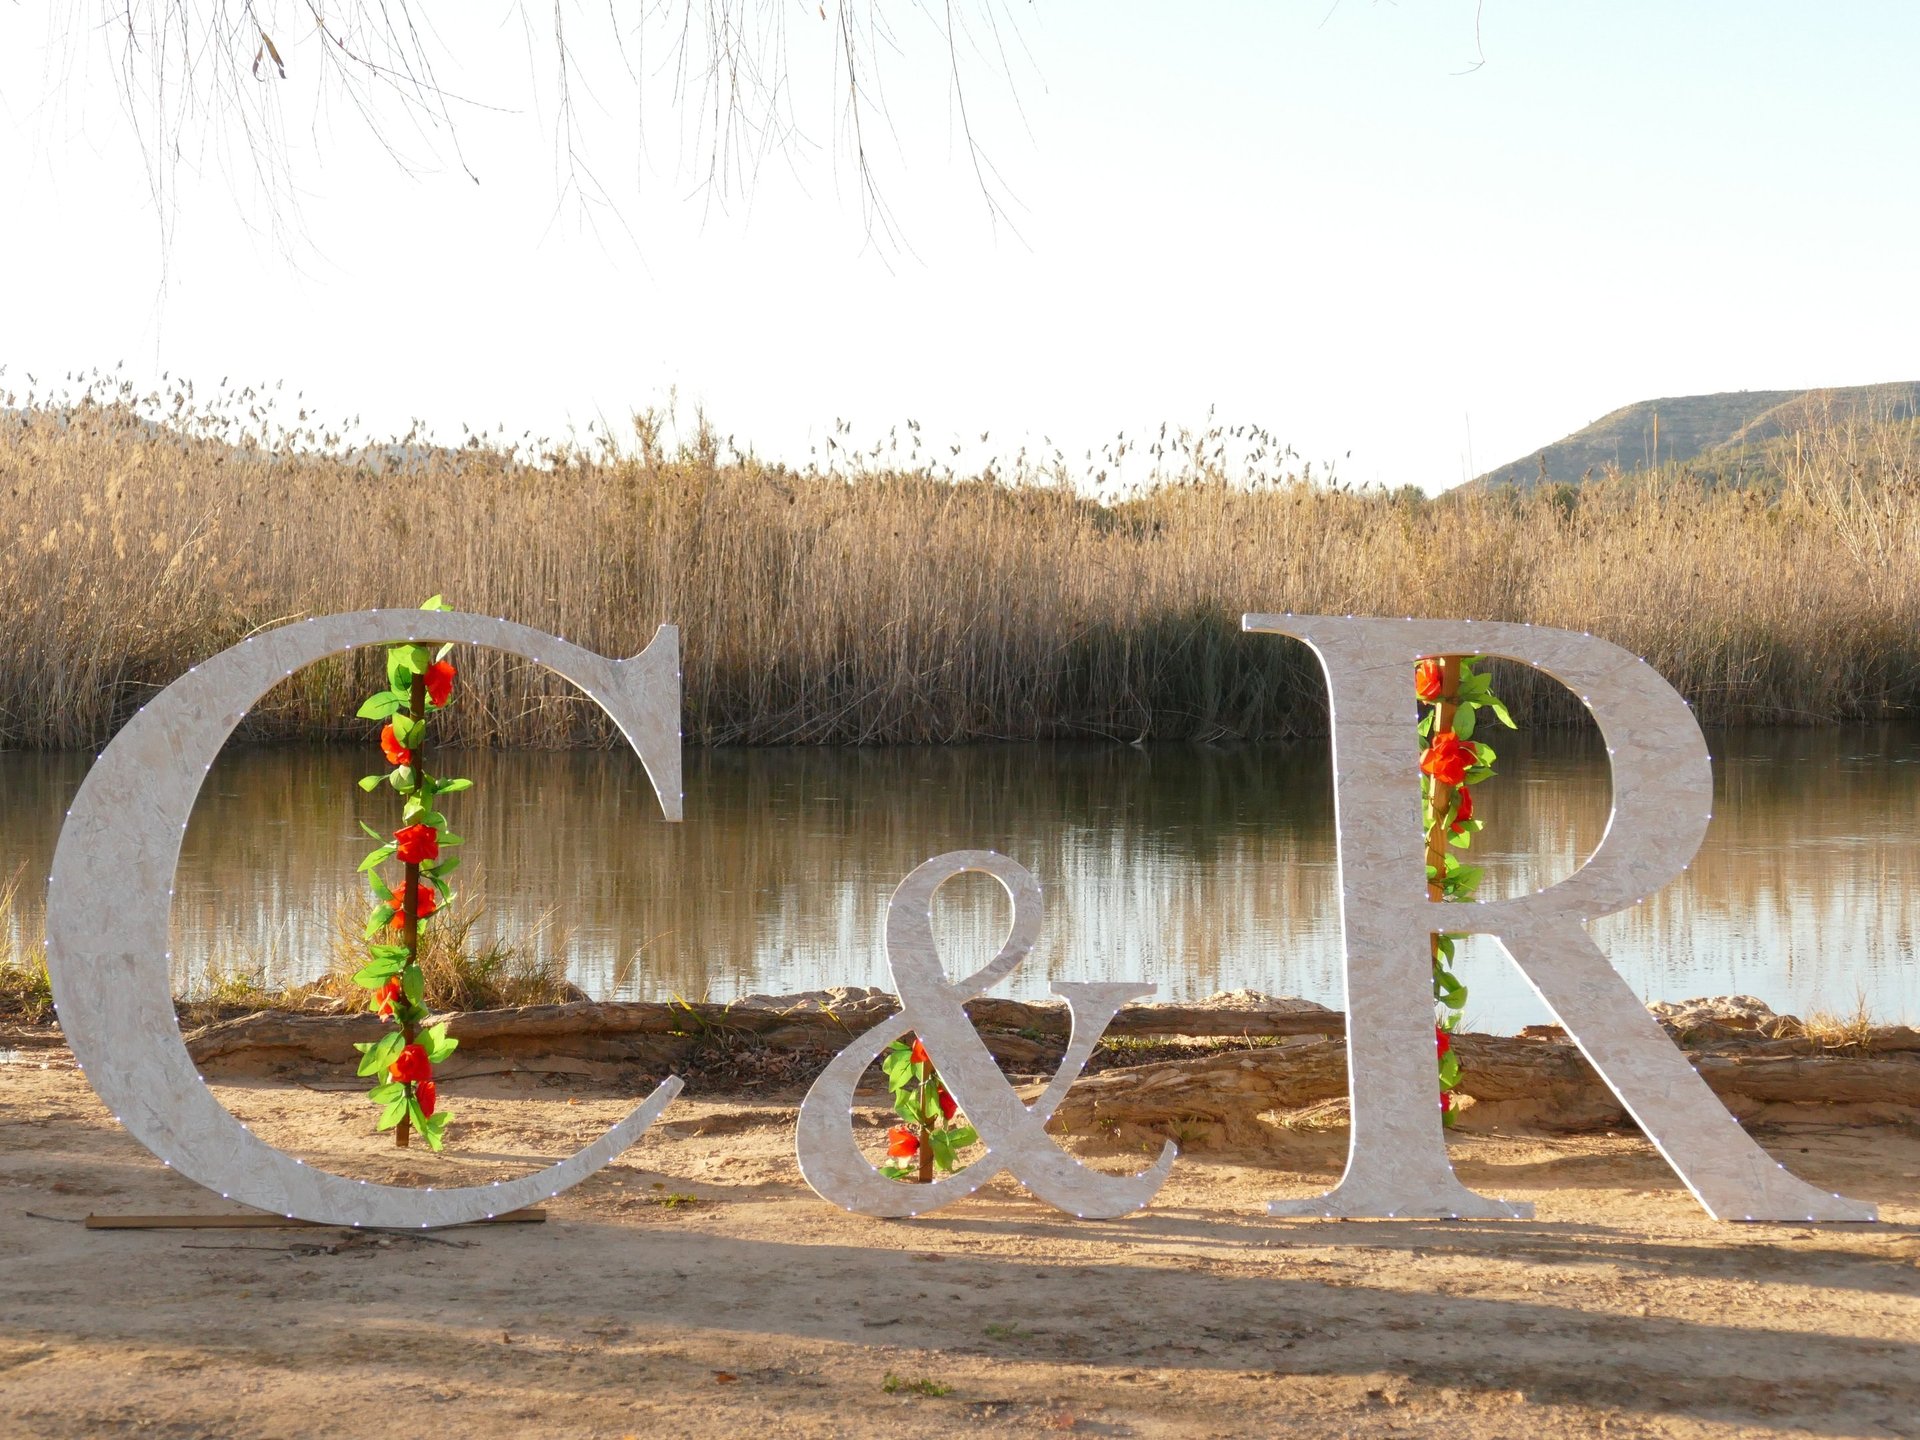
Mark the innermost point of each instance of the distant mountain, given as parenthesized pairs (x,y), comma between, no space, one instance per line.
(1716,430)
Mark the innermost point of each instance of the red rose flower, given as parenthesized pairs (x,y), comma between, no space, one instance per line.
(417,843)
(1427,677)
(1446,1100)
(396,753)
(919,1056)
(948,1105)
(426,902)
(387,996)
(1442,1041)
(1448,758)
(412,1064)
(426,1092)
(902,1142)
(439,679)
(1465,812)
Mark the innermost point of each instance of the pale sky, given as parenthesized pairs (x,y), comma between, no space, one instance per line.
(1301,214)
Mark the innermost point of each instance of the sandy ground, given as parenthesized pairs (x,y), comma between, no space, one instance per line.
(697,1288)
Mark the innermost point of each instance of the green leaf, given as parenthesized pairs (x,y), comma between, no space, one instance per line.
(1462,721)
(907,1106)
(378,857)
(413,1113)
(1500,713)
(437,1043)
(433,1135)
(379,707)
(1449,1070)
(387,1093)
(370,783)
(388,952)
(449,838)
(381,918)
(941,1143)
(403,663)
(385,1050)
(438,868)
(413,984)
(1484,752)
(395,1112)
(373,834)
(1426,725)
(435,603)
(376,974)
(963,1136)
(452,787)
(408,731)
(899,1172)
(402,778)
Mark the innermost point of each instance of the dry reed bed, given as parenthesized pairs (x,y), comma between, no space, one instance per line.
(904,608)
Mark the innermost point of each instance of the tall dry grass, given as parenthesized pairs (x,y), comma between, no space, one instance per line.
(26,989)
(898,605)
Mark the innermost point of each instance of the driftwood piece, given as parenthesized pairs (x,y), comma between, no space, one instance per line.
(30,1037)
(1225,1100)
(1215,1098)
(653,1034)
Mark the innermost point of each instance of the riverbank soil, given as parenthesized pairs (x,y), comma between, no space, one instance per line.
(696,1287)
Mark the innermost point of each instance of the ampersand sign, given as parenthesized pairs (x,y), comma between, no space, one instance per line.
(1014,1133)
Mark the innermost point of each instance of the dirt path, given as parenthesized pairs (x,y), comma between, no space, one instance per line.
(697,1288)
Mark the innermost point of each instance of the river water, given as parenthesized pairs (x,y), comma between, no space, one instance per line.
(1197,868)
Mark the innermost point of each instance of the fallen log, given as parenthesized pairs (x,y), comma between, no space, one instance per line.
(1295,1059)
(1240,1100)
(648,1033)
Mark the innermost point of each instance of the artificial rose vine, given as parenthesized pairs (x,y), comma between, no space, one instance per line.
(1451,762)
(417,685)
(935,1131)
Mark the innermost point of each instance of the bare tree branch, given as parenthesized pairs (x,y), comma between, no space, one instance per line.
(196,76)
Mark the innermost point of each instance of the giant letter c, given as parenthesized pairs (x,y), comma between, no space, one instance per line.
(108,908)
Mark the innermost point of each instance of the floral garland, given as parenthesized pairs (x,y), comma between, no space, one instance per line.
(935,1130)
(417,685)
(1451,762)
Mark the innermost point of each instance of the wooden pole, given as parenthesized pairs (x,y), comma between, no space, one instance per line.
(411,892)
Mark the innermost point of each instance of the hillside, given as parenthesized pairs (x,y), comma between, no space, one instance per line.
(1719,431)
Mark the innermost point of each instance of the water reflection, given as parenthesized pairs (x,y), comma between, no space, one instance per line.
(1198,868)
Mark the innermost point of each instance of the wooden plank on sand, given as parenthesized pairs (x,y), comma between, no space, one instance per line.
(275,1222)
